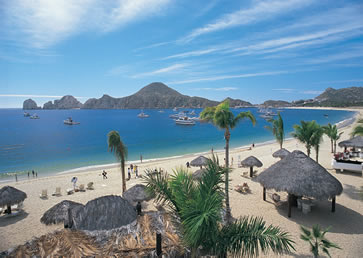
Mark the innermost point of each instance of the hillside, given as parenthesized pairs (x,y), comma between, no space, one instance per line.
(238,103)
(276,103)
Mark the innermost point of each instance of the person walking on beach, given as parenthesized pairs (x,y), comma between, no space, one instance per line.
(232,162)
(33,172)
(128,174)
(188,165)
(74,181)
(141,158)
(132,167)
(136,172)
(104,174)
(28,174)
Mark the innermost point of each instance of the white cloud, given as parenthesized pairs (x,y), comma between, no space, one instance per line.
(219,89)
(285,90)
(43,23)
(171,68)
(193,53)
(33,96)
(311,92)
(224,77)
(261,10)
(353,53)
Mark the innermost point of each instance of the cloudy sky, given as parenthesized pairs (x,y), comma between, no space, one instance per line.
(253,49)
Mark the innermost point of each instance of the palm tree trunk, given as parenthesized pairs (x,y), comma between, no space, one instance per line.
(335,146)
(123,175)
(308,150)
(227,136)
(317,153)
(331,141)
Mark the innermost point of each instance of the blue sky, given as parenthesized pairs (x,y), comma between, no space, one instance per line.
(253,50)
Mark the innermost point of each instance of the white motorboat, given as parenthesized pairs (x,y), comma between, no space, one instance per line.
(192,113)
(26,114)
(142,115)
(175,109)
(184,121)
(34,116)
(70,121)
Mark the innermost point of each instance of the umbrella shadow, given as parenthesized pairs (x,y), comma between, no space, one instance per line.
(6,220)
(353,192)
(343,220)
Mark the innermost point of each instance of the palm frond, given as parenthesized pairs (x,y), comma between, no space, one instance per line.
(243,115)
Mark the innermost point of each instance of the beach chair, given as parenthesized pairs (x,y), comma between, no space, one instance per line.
(90,186)
(69,191)
(44,194)
(81,188)
(57,192)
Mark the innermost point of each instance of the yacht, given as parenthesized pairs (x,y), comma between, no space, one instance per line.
(184,121)
(69,121)
(34,116)
(26,114)
(142,115)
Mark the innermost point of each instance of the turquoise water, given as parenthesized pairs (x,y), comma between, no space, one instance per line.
(48,146)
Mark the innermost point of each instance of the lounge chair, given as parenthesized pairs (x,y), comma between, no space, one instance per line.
(44,194)
(81,188)
(57,192)
(90,186)
(69,191)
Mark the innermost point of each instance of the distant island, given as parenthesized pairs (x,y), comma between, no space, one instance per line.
(159,96)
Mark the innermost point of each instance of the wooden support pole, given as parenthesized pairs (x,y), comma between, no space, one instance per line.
(158,244)
(251,171)
(333,204)
(289,205)
(264,194)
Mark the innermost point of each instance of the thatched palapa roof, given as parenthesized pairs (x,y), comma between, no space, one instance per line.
(105,213)
(300,175)
(281,153)
(200,161)
(251,161)
(197,175)
(137,193)
(356,142)
(59,212)
(10,196)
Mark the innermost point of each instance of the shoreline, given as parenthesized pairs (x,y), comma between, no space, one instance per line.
(92,168)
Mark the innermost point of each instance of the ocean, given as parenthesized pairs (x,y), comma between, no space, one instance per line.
(48,146)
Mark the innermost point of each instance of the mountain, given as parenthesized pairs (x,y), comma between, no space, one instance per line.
(276,103)
(238,103)
(154,95)
(345,97)
(30,104)
(66,102)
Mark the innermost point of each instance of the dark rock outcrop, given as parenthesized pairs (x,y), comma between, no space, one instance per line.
(276,103)
(66,102)
(238,103)
(30,104)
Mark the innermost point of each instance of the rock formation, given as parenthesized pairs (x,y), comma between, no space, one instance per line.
(66,102)
(30,104)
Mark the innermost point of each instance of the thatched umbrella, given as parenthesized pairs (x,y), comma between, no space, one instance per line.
(105,213)
(299,175)
(137,193)
(199,162)
(251,162)
(10,196)
(356,142)
(63,212)
(281,153)
(197,175)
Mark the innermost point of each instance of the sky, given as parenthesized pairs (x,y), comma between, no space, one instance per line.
(253,50)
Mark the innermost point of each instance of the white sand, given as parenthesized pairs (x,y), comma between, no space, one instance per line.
(346,222)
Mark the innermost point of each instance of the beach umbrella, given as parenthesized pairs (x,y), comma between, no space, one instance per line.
(197,175)
(137,193)
(10,196)
(59,213)
(251,162)
(299,175)
(199,162)
(281,153)
(105,213)
(356,142)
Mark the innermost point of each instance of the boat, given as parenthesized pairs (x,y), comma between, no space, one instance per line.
(179,115)
(184,121)
(161,111)
(142,115)
(34,116)
(326,115)
(70,121)
(26,114)
(192,113)
(175,109)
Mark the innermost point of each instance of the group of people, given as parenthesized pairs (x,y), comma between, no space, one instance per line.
(132,169)
(35,174)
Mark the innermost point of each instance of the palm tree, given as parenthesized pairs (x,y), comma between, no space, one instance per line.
(222,117)
(317,240)
(358,129)
(304,134)
(277,129)
(332,132)
(120,150)
(317,139)
(197,208)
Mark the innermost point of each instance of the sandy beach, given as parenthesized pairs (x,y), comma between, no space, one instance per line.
(346,222)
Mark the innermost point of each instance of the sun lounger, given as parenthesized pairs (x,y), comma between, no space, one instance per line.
(81,188)
(44,194)
(57,192)
(69,191)
(90,186)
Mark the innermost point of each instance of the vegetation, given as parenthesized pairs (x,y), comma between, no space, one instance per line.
(198,206)
(277,129)
(358,129)
(332,132)
(116,146)
(222,117)
(305,134)
(317,139)
(317,240)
